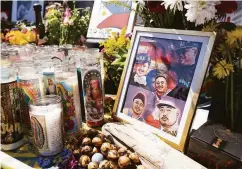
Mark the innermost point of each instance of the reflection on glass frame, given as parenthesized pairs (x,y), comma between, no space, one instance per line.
(162,79)
(108,17)
(24,10)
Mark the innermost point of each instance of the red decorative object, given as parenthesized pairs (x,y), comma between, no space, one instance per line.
(155,6)
(227,7)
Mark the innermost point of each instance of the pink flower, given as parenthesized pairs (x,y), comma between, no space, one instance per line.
(67,13)
(66,21)
(102,51)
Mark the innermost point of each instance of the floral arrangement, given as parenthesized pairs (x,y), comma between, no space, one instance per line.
(17,37)
(115,50)
(225,62)
(183,14)
(226,67)
(68,26)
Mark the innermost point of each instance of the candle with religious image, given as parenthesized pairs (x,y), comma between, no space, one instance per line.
(47,125)
(92,88)
(67,88)
(47,71)
(31,83)
(11,113)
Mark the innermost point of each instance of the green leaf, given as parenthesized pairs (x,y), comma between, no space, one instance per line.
(117,61)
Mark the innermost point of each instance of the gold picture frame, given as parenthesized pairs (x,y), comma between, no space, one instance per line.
(161,81)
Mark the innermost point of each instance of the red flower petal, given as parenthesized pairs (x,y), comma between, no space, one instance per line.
(227,7)
(155,6)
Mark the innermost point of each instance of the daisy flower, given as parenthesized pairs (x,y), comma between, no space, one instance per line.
(200,12)
(234,37)
(222,69)
(173,5)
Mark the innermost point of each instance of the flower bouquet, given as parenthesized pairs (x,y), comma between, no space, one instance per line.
(115,50)
(66,26)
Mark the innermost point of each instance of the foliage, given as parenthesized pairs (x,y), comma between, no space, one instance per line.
(226,59)
(66,27)
(115,50)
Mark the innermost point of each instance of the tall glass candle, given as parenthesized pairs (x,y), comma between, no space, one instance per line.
(46,123)
(75,55)
(67,88)
(31,83)
(11,113)
(92,88)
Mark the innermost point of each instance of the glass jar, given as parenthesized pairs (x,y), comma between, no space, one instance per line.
(47,69)
(67,88)
(46,123)
(11,112)
(75,56)
(31,83)
(93,92)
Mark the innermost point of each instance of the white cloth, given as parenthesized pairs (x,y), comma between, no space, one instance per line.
(140,79)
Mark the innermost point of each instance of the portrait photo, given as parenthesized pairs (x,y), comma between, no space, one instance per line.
(162,80)
(108,16)
(24,10)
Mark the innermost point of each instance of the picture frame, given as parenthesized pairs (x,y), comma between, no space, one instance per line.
(108,17)
(24,10)
(161,81)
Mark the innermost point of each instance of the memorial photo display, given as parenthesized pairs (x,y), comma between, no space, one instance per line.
(162,80)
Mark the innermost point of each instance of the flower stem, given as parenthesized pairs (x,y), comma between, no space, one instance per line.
(231,94)
(226,97)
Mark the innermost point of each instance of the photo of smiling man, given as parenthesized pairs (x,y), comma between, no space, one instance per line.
(137,109)
(142,64)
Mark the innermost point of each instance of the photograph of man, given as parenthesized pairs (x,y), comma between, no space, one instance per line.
(161,88)
(168,117)
(142,63)
(137,108)
(187,54)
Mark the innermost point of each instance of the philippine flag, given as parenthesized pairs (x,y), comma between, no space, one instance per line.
(114,16)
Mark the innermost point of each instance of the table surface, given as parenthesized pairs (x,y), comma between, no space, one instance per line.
(28,155)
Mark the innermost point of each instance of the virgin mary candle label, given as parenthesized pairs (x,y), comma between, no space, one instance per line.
(93,95)
(46,123)
(67,88)
(11,116)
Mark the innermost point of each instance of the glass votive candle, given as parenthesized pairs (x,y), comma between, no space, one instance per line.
(31,84)
(48,75)
(46,123)
(92,87)
(11,112)
(67,88)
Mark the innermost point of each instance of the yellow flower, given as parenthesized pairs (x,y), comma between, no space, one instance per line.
(234,37)
(222,69)
(20,38)
(30,36)
(2,35)
(116,42)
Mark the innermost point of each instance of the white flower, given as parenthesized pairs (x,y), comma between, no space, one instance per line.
(141,2)
(173,5)
(200,12)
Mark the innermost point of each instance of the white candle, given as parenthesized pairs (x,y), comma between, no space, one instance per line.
(67,88)
(46,122)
